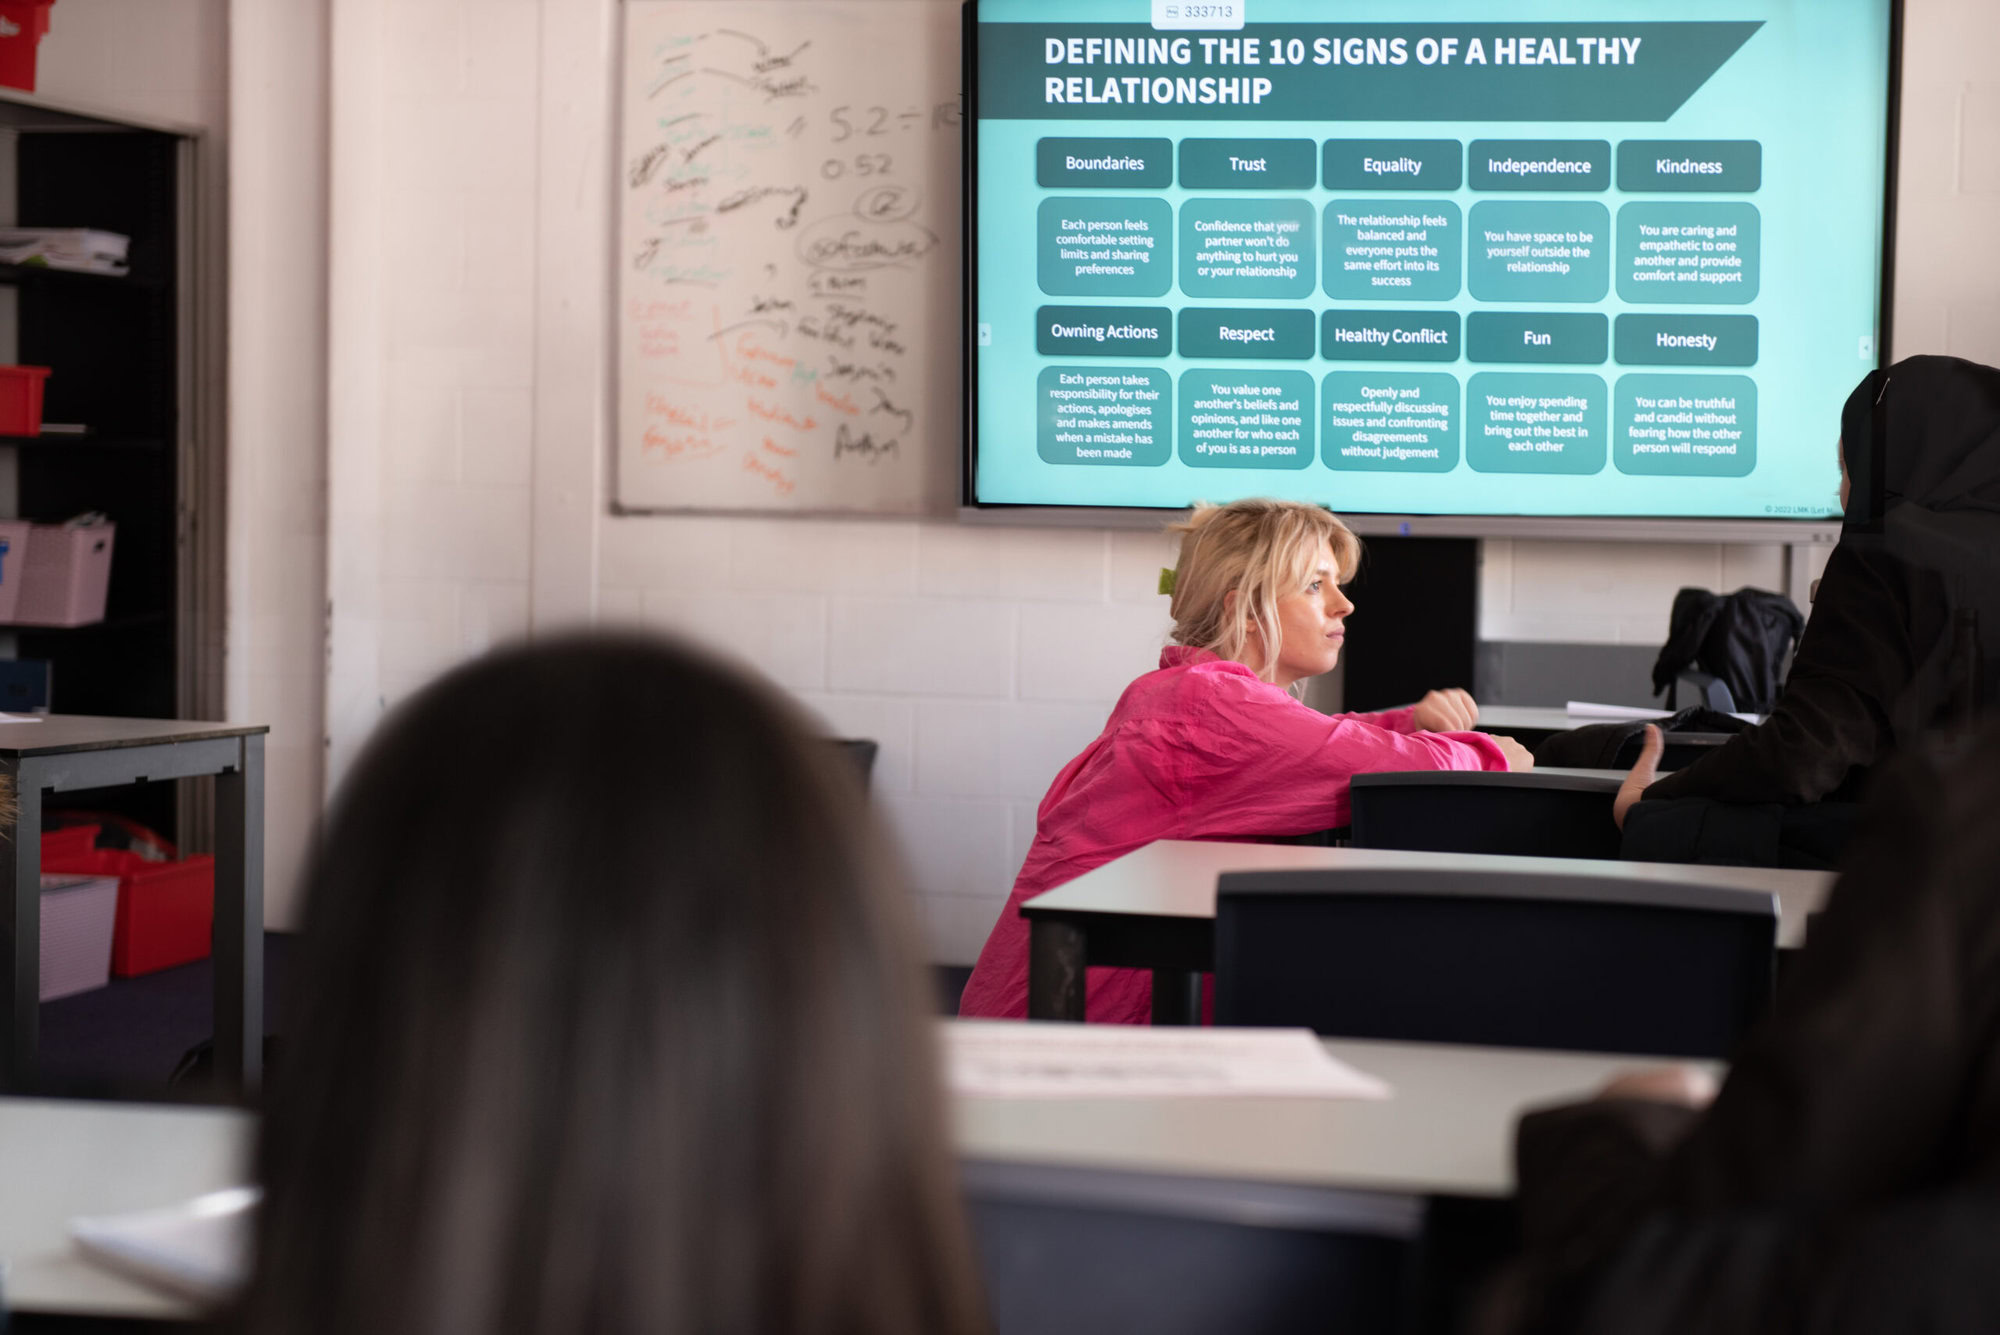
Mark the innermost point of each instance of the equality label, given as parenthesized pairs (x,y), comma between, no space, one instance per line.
(1539,251)
(1104,331)
(1393,164)
(1111,416)
(1389,422)
(1684,425)
(1393,250)
(1104,247)
(1247,248)
(1705,253)
(1389,336)
(1104,164)
(1523,423)
(1246,419)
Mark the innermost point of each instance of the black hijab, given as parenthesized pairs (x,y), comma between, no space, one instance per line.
(1925,431)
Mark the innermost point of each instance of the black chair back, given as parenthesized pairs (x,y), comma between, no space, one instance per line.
(1537,813)
(1587,962)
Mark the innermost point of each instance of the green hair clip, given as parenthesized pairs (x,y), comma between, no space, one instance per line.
(1166,581)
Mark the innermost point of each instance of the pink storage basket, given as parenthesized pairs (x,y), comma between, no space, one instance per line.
(66,575)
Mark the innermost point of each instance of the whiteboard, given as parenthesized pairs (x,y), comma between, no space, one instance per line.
(788,258)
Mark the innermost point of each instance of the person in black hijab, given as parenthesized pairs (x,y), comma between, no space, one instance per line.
(1893,644)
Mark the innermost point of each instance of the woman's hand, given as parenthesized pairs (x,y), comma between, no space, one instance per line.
(1644,770)
(1446,711)
(1689,1086)
(1518,756)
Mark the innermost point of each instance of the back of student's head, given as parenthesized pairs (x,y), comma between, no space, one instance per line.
(608,1020)
(1259,550)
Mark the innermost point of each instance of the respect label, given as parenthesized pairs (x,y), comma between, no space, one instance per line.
(1685,425)
(1516,423)
(1533,251)
(1104,247)
(1692,253)
(1390,423)
(1393,250)
(1246,419)
(1111,416)
(1247,248)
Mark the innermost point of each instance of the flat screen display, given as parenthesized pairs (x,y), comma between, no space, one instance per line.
(1426,257)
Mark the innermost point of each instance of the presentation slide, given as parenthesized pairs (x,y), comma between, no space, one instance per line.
(1436,257)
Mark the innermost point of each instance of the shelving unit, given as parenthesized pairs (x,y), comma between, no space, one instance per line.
(116,345)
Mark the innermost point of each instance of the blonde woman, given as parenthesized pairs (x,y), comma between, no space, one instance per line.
(1213,745)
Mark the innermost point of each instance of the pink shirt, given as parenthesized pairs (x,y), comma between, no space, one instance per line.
(1200,749)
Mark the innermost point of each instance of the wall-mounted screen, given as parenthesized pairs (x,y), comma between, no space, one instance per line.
(1424,257)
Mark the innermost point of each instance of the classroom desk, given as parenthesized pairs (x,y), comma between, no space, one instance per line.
(64,1158)
(1358,1165)
(1154,909)
(66,752)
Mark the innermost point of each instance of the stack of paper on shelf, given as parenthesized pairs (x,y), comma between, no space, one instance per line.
(79,248)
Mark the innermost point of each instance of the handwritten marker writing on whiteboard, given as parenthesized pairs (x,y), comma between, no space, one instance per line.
(788,225)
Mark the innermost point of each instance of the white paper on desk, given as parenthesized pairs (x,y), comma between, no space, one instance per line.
(198,1249)
(20,718)
(1010,1059)
(1584,709)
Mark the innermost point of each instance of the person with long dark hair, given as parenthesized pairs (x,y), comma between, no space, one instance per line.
(609,1021)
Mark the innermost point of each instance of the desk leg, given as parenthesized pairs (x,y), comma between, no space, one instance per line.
(21,928)
(1056,959)
(1176,996)
(239,920)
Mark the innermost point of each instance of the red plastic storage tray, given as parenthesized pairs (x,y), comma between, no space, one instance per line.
(68,844)
(165,909)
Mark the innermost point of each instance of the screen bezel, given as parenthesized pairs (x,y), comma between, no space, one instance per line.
(1582,527)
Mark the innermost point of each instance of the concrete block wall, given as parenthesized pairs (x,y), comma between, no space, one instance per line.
(981,660)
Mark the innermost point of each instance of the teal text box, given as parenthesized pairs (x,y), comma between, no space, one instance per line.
(1393,249)
(1249,249)
(1538,338)
(1107,416)
(1389,336)
(1246,419)
(1389,422)
(1104,164)
(1691,166)
(1104,331)
(1393,164)
(1104,247)
(1248,164)
(1545,166)
(1684,425)
(1260,334)
(1705,254)
(1518,422)
(1522,250)
(1684,340)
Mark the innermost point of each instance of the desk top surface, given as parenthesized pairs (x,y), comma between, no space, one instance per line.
(55,734)
(1448,1129)
(64,1158)
(1175,878)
